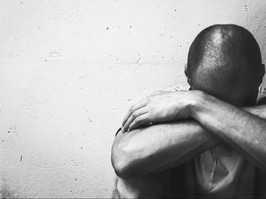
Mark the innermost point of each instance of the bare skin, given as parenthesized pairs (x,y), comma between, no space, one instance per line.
(239,129)
(136,154)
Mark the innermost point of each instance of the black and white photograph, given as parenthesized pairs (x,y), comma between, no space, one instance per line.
(132,99)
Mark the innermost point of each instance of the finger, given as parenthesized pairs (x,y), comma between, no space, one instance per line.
(158,92)
(133,108)
(155,93)
(133,116)
(165,91)
(138,121)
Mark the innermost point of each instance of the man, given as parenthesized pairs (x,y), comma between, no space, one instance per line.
(209,141)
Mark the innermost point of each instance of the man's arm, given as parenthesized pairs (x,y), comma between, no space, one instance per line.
(243,131)
(136,153)
(159,147)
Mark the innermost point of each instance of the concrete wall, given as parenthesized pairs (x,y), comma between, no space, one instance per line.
(70,69)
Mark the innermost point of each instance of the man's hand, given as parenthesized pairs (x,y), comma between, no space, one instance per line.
(158,107)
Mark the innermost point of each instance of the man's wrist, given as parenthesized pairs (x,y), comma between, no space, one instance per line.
(196,102)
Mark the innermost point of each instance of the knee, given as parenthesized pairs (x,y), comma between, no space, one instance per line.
(127,188)
(141,187)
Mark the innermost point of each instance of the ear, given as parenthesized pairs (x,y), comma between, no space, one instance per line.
(187,74)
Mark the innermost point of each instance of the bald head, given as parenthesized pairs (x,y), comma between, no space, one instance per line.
(225,61)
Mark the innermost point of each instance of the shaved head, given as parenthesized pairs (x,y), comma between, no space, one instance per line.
(225,61)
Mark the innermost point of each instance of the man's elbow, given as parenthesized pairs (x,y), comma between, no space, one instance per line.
(124,163)
(120,168)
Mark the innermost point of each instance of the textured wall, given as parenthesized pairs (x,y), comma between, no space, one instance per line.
(70,69)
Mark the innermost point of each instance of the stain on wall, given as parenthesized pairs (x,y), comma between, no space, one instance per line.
(70,69)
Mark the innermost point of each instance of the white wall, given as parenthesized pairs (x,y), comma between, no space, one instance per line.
(70,69)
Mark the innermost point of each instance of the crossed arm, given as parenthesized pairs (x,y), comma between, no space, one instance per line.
(195,122)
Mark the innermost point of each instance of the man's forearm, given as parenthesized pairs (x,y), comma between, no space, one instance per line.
(243,131)
(159,147)
(259,111)
(164,146)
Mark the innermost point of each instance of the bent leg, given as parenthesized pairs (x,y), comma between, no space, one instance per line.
(152,186)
